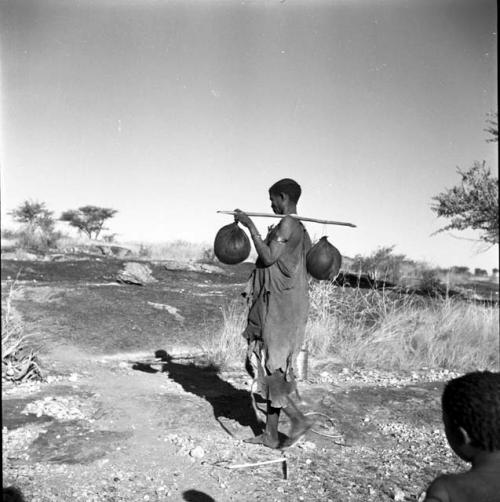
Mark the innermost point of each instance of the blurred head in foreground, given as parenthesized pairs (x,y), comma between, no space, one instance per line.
(471,413)
(471,417)
(12,494)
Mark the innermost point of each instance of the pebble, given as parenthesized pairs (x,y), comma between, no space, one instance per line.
(399,495)
(307,445)
(381,378)
(197,452)
(60,407)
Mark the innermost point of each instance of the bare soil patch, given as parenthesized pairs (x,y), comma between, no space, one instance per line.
(104,429)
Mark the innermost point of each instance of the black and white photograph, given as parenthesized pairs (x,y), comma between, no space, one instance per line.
(249,250)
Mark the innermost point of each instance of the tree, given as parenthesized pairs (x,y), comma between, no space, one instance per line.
(34,214)
(381,264)
(88,219)
(473,204)
(38,226)
(492,127)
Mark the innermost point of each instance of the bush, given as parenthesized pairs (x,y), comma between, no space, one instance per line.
(19,359)
(37,239)
(430,283)
(30,238)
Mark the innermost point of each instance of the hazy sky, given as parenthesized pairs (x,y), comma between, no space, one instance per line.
(170,110)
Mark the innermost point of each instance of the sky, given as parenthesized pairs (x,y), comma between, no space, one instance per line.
(171,110)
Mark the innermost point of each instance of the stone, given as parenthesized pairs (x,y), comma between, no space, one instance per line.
(399,495)
(171,310)
(197,452)
(194,267)
(136,273)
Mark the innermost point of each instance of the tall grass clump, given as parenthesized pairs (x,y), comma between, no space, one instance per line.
(19,359)
(398,331)
(226,347)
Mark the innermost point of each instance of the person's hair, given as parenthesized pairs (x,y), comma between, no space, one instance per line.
(288,186)
(472,401)
(12,494)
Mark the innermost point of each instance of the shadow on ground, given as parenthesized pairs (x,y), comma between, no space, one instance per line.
(226,400)
(196,496)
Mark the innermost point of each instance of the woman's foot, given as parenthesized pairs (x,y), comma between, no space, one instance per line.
(298,429)
(264,439)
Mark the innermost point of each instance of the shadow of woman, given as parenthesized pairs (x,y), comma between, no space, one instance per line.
(226,400)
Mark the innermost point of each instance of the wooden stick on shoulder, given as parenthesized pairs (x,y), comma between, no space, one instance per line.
(302,218)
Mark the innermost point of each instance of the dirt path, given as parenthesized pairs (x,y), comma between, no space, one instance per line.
(101,430)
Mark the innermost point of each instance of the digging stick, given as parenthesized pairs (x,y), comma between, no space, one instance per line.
(255,464)
(303,218)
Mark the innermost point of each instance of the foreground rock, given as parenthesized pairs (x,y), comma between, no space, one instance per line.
(136,273)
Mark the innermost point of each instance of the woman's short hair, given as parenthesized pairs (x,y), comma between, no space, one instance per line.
(288,186)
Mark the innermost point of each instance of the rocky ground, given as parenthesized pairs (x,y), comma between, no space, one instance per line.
(102,427)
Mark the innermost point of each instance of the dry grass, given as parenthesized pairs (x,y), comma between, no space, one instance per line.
(19,360)
(382,329)
(178,250)
(226,347)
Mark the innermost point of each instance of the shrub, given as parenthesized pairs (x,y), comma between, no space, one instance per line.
(19,359)
(430,283)
(35,239)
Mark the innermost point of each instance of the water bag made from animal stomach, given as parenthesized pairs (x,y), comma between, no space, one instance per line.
(231,244)
(323,260)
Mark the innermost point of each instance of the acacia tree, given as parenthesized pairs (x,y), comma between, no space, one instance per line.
(88,219)
(38,226)
(34,214)
(473,204)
